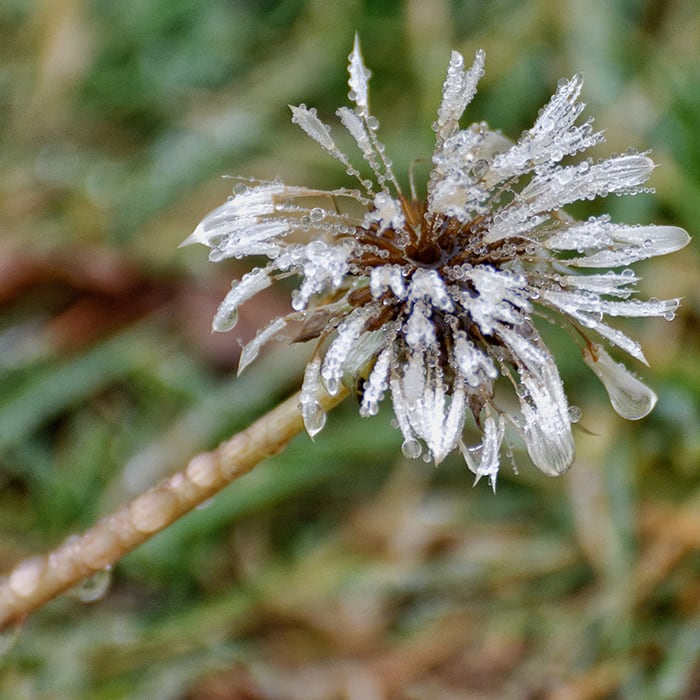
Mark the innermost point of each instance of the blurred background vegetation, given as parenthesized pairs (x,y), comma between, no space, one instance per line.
(337,569)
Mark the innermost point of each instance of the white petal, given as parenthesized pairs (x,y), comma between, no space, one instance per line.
(448,428)
(348,333)
(658,240)
(475,366)
(308,120)
(250,284)
(547,430)
(363,350)
(376,384)
(592,320)
(610,283)
(585,302)
(251,350)
(359,78)
(458,91)
(357,129)
(552,137)
(563,185)
(631,398)
(419,329)
(488,451)
(387,277)
(324,267)
(428,284)
(631,244)
(237,214)
(402,407)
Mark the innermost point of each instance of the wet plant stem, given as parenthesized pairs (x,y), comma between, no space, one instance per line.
(38,579)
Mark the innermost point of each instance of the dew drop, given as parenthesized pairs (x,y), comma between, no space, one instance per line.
(205,504)
(628,395)
(314,418)
(316,214)
(480,168)
(575,414)
(93,588)
(411,449)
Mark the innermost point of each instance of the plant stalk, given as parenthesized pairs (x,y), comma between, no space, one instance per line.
(38,579)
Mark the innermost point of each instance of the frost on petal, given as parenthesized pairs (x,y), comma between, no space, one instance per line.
(387,277)
(588,303)
(560,186)
(657,240)
(250,284)
(425,411)
(501,298)
(419,329)
(358,79)
(324,267)
(308,120)
(387,213)
(240,227)
(376,385)
(357,129)
(593,321)
(348,334)
(429,285)
(438,420)
(630,397)
(568,184)
(474,365)
(411,448)
(611,283)
(460,184)
(446,432)
(552,137)
(458,91)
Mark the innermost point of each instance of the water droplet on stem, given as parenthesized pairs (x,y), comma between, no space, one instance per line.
(93,588)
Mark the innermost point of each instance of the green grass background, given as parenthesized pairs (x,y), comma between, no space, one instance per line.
(336,569)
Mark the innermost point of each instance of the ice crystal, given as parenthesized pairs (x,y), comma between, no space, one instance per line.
(433,299)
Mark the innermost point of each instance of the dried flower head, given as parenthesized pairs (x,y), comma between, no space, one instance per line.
(433,299)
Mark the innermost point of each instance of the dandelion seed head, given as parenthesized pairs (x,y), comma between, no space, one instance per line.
(430,300)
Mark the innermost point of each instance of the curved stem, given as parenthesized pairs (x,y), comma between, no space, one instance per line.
(36,580)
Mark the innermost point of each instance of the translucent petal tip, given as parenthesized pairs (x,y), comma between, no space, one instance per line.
(631,398)
(194,237)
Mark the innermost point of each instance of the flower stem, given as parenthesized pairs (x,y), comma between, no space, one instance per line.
(38,579)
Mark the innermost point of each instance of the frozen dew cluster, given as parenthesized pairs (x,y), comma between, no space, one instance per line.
(431,299)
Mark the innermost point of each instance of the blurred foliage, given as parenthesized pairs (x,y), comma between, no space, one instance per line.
(335,570)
